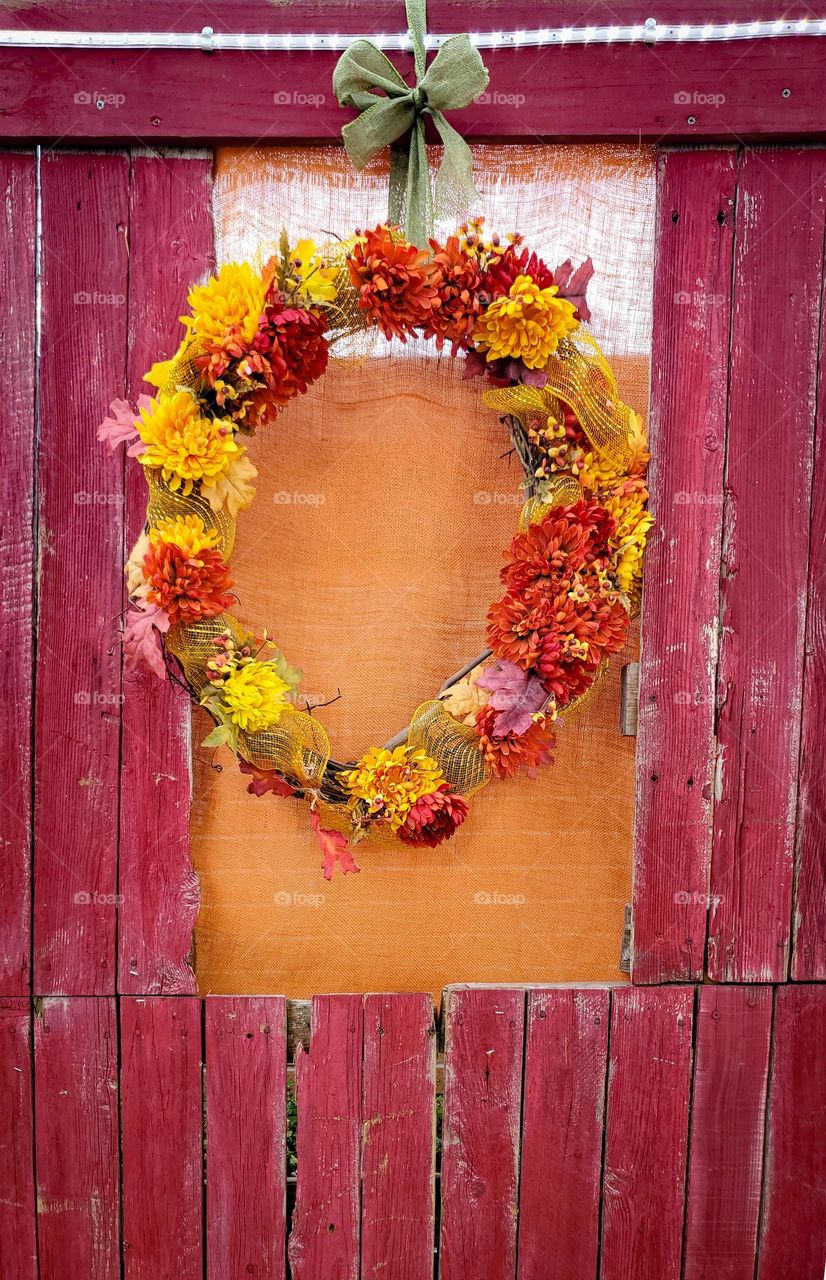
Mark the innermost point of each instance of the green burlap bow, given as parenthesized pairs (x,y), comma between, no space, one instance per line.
(456,76)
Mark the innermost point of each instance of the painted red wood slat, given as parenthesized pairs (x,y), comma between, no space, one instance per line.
(324,1240)
(171,247)
(85,224)
(76,1092)
(809,916)
(793,1229)
(480,1149)
(246,1125)
(682,91)
(161,1137)
(675,749)
(646,1134)
(18,1242)
(566,1047)
(727,1118)
(17,307)
(398,1160)
(779,254)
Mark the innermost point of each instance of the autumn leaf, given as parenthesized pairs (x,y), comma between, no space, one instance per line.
(232,487)
(516,694)
(142,639)
(264,780)
(334,848)
(573,284)
(119,428)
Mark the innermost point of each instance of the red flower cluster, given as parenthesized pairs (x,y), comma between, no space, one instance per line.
(510,752)
(514,261)
(561,613)
(433,818)
(187,588)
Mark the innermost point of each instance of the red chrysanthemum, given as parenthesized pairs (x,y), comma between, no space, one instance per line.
(187,588)
(515,261)
(397,283)
(508,754)
(545,553)
(457,305)
(517,625)
(433,818)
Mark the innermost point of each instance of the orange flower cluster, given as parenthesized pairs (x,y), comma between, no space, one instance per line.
(562,612)
(187,586)
(508,753)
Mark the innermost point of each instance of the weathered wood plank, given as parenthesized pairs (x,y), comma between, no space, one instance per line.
(398,1159)
(161,1138)
(727,1119)
(646,1134)
(76,1091)
(246,1125)
(171,247)
(562,1122)
(675,751)
(17,306)
(480,1151)
(85,225)
(779,255)
(18,1242)
(324,1240)
(793,1236)
(809,920)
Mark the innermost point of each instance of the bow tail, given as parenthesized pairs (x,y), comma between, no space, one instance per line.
(455,193)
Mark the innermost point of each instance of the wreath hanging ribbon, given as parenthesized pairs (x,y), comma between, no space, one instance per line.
(454,79)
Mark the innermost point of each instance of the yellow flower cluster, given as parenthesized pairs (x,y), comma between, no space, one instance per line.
(627,506)
(388,783)
(254,695)
(185,446)
(234,299)
(187,532)
(525,325)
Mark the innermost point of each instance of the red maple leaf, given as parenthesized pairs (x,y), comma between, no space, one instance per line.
(264,780)
(572,285)
(142,639)
(334,848)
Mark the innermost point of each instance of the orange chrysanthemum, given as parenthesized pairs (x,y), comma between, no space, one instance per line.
(512,752)
(187,587)
(397,283)
(458,303)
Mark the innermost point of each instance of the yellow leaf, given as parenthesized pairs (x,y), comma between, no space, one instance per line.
(232,488)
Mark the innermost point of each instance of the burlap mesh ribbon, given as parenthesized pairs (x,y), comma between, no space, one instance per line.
(454,79)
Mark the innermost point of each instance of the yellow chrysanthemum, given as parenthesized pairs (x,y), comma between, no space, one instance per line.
(390,782)
(525,325)
(627,506)
(186,446)
(234,299)
(254,695)
(465,698)
(187,532)
(309,275)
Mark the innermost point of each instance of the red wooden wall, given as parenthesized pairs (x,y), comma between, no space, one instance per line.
(659,1130)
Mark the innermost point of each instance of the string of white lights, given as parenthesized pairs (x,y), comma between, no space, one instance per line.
(208,41)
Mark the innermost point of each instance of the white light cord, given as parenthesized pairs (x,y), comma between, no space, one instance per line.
(209,41)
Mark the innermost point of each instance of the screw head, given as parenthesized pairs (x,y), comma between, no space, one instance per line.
(100,104)
(787,93)
(691,119)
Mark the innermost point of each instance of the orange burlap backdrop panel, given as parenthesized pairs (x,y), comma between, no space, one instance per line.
(385,497)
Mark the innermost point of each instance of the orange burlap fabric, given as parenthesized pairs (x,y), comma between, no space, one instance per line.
(371,552)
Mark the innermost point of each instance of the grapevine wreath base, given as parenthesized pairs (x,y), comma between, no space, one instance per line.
(571,576)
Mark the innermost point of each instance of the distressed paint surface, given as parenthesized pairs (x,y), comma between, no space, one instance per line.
(17,321)
(566,1044)
(18,1235)
(170,249)
(480,1150)
(779,254)
(675,751)
(398,1135)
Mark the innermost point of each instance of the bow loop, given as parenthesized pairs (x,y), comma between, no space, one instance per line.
(455,78)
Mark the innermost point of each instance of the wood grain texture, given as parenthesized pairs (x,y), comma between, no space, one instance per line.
(793,1237)
(17,307)
(480,1150)
(399,1148)
(76,1088)
(18,1236)
(161,1138)
(246,1131)
(324,1240)
(646,1135)
(566,1045)
(85,222)
(171,248)
(727,1119)
(230,94)
(809,918)
(779,254)
(675,750)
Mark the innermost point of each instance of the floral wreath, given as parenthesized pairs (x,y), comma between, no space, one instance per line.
(572,573)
